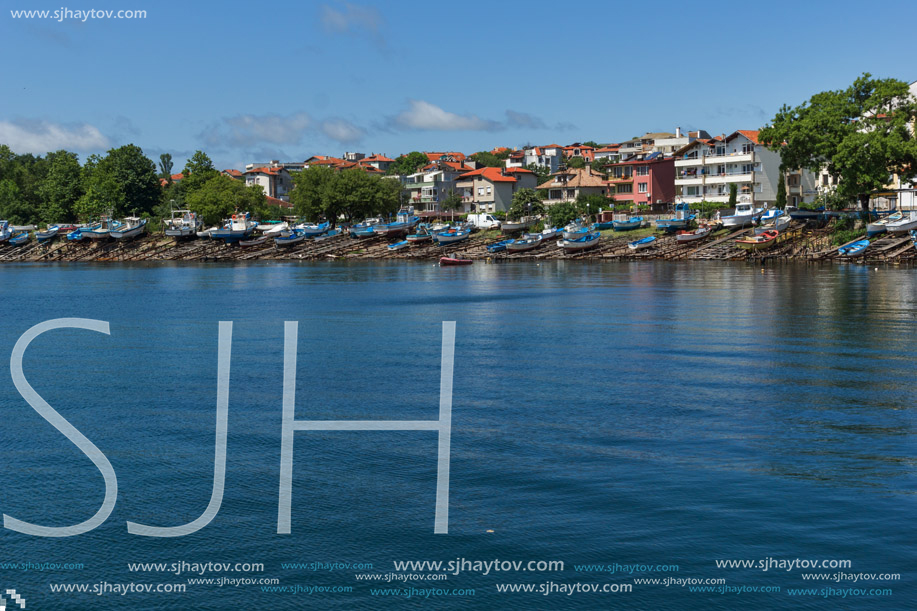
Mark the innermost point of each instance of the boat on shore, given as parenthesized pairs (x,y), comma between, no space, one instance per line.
(779,223)
(681,220)
(590,240)
(903,225)
(422,235)
(404,223)
(452,261)
(295,237)
(499,246)
(275,230)
(510,226)
(48,234)
(451,236)
(603,225)
(758,242)
(526,242)
(101,230)
(805,214)
(854,249)
(744,214)
(255,242)
(19,238)
(881,225)
(689,236)
(634,222)
(311,230)
(399,245)
(646,242)
(5,232)
(914,237)
(183,224)
(234,229)
(131,228)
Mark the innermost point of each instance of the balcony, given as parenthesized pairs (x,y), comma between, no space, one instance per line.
(728,177)
(689,180)
(730,158)
(691,161)
(620,179)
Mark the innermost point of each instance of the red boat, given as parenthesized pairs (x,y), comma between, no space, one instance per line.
(443,261)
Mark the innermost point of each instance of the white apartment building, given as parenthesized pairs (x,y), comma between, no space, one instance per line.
(541,156)
(705,168)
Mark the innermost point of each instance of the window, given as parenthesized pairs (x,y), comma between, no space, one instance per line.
(748,168)
(625,188)
(480,190)
(692,191)
(488,190)
(720,150)
(643,170)
(554,194)
(824,180)
(747,148)
(641,187)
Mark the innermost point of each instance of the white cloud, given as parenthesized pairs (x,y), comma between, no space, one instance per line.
(249,130)
(351,19)
(524,120)
(423,115)
(343,131)
(39,137)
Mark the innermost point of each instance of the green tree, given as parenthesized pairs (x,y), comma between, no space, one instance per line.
(526,202)
(13,207)
(325,193)
(61,189)
(221,196)
(562,213)
(543,173)
(101,192)
(165,167)
(733,194)
(198,170)
(123,181)
(861,135)
(781,192)
(408,164)
(451,203)
(488,159)
(590,204)
(576,162)
(308,194)
(592,143)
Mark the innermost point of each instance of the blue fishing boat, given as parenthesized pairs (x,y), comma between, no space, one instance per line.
(20,238)
(853,250)
(576,230)
(76,235)
(294,237)
(399,245)
(499,246)
(404,223)
(641,244)
(239,227)
(633,222)
(681,220)
(422,235)
(311,230)
(603,225)
(5,232)
(49,234)
(590,240)
(451,236)
(101,230)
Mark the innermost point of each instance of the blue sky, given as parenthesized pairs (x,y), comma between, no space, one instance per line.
(248,81)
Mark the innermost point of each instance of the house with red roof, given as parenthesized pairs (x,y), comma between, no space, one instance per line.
(705,168)
(427,188)
(275,181)
(542,156)
(378,161)
(449,156)
(491,189)
(236,174)
(579,150)
(648,181)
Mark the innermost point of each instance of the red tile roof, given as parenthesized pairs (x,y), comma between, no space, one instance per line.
(177,177)
(491,174)
(518,171)
(233,173)
(273,201)
(435,156)
(264,170)
(750,134)
(376,158)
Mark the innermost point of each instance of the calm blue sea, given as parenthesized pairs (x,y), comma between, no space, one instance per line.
(654,414)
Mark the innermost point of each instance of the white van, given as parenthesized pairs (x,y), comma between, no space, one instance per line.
(484,221)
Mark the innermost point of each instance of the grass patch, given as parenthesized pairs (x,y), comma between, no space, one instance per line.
(846,235)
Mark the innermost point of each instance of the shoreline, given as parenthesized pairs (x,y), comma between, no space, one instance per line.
(799,243)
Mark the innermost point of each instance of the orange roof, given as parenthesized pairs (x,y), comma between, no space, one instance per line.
(435,156)
(750,134)
(518,171)
(273,201)
(499,149)
(375,157)
(491,174)
(611,148)
(232,172)
(177,177)
(263,170)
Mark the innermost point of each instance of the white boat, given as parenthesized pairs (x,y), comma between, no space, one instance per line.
(399,245)
(275,230)
(519,225)
(527,242)
(575,230)
(289,240)
(5,232)
(879,226)
(183,224)
(131,228)
(239,227)
(905,224)
(689,236)
(311,230)
(101,231)
(551,233)
(451,236)
(207,233)
(644,243)
(745,214)
(590,240)
(49,234)
(626,224)
(779,223)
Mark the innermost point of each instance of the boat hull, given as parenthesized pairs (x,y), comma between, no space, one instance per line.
(691,236)
(450,261)
(642,244)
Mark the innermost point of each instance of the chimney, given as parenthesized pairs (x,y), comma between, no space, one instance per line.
(678,132)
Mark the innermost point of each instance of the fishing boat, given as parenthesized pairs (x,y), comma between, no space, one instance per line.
(399,245)
(183,224)
(633,222)
(404,223)
(576,229)
(76,235)
(275,230)
(101,230)
(641,244)
(778,224)
(904,225)
(131,228)
(19,238)
(758,242)
(681,220)
(295,237)
(879,226)
(451,236)
(744,214)
(239,227)
(551,233)
(590,240)
(499,246)
(603,225)
(804,214)
(5,231)
(423,235)
(255,242)
(47,235)
(311,230)
(529,241)
(853,250)
(509,226)
(689,236)
(450,261)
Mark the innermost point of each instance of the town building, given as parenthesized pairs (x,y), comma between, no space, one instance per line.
(428,188)
(275,181)
(542,156)
(580,151)
(491,189)
(649,181)
(569,183)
